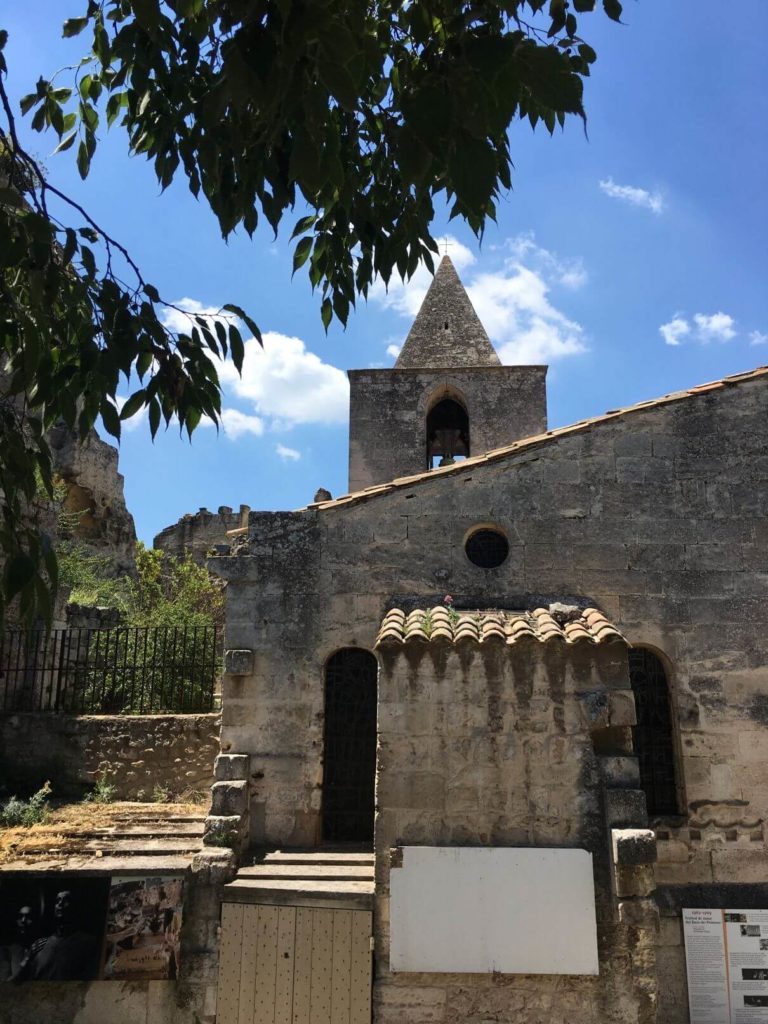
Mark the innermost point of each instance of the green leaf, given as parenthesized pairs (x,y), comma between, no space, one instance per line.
(473,172)
(236,347)
(143,363)
(154,416)
(613,9)
(114,105)
(304,225)
(326,312)
(66,142)
(339,83)
(230,307)
(19,571)
(83,160)
(73,27)
(147,14)
(29,101)
(110,418)
(301,254)
(133,404)
(70,246)
(191,419)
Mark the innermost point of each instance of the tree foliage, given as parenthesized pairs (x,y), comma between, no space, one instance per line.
(164,591)
(364,114)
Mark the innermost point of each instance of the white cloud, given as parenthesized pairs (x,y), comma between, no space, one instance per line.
(674,331)
(235,423)
(631,194)
(704,329)
(512,302)
(287,454)
(394,350)
(758,338)
(717,327)
(282,383)
(568,272)
(286,383)
(181,319)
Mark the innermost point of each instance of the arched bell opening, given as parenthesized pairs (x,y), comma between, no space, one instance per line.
(349,754)
(447,433)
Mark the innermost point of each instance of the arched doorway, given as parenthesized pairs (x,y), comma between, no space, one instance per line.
(447,433)
(654,734)
(349,757)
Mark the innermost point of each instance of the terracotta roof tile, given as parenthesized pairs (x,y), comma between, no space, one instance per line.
(542,439)
(440,623)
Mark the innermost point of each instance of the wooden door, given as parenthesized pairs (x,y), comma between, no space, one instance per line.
(294,965)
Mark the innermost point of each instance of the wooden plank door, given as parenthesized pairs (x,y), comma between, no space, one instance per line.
(294,965)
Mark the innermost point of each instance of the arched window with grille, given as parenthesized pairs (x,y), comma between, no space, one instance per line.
(654,734)
(349,756)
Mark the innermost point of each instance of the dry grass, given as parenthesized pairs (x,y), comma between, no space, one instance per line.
(69,827)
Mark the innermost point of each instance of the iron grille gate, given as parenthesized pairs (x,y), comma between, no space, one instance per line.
(128,670)
(653,735)
(349,770)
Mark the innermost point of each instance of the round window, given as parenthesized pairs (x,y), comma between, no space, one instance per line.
(487,548)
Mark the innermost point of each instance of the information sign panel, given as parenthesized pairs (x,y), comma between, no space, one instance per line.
(726,955)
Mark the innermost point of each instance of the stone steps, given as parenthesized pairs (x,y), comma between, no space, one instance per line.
(318,872)
(131,839)
(309,878)
(132,865)
(162,829)
(315,857)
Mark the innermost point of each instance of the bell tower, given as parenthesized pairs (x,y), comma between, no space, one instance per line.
(446,398)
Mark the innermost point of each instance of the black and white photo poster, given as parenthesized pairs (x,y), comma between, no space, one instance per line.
(727,962)
(51,927)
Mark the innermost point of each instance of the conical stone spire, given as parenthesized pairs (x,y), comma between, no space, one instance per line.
(447,331)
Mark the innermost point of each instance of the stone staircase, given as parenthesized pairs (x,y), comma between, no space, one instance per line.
(334,879)
(134,838)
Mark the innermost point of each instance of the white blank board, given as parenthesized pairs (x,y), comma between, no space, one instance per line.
(515,911)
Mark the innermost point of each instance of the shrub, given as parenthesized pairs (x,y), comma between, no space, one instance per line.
(103,791)
(15,812)
(87,576)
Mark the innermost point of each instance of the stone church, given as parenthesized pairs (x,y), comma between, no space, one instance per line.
(510,693)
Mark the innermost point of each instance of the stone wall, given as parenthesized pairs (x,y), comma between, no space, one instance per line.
(493,746)
(135,753)
(197,533)
(388,412)
(658,517)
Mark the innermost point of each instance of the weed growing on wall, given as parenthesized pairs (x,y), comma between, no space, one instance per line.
(15,812)
(103,791)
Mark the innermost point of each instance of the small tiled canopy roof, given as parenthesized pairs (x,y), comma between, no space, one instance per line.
(441,623)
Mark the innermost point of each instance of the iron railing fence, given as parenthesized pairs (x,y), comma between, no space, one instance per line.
(121,671)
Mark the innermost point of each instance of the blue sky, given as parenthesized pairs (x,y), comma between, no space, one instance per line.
(633,261)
